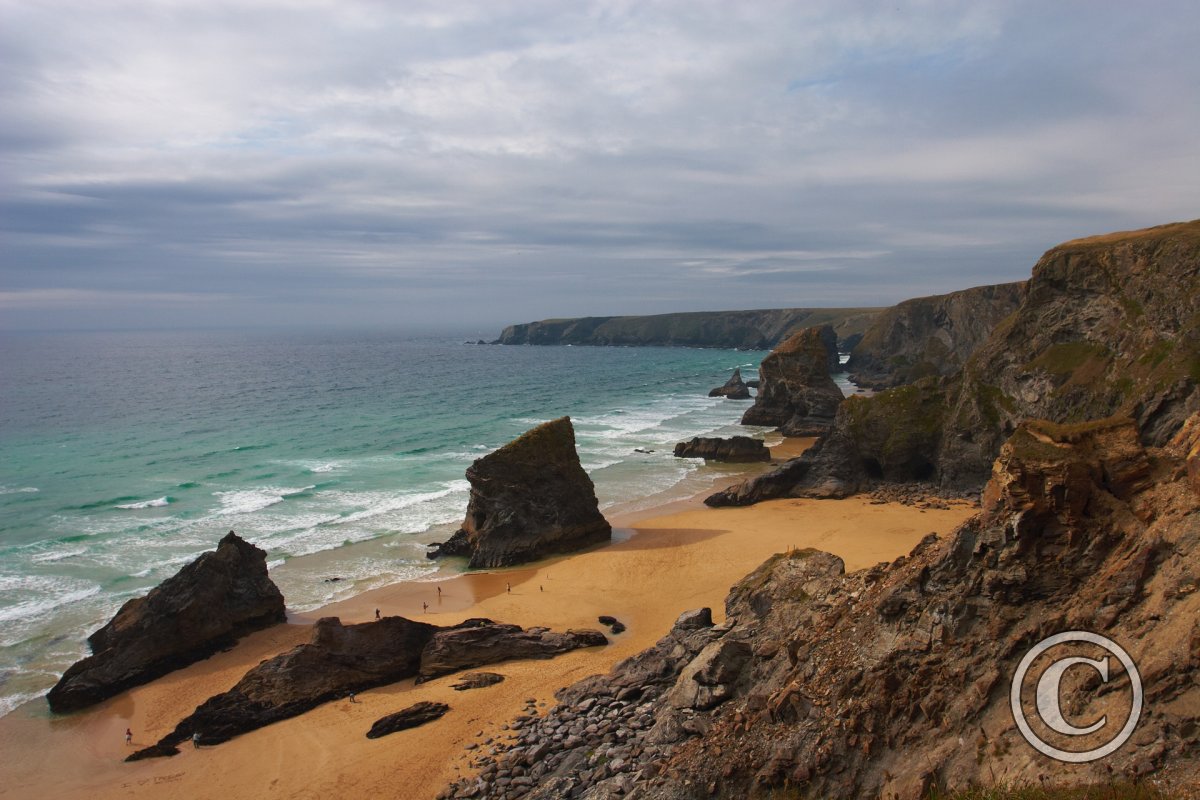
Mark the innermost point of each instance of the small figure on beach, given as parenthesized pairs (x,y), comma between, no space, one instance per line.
(439,593)
(377,613)
(128,736)
(425,607)
(352,698)
(508,588)
(196,740)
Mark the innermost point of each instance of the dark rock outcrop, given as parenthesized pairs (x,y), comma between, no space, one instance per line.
(744,330)
(205,607)
(1108,325)
(734,448)
(929,336)
(529,499)
(796,394)
(733,389)
(415,715)
(341,659)
(476,680)
(474,645)
(895,679)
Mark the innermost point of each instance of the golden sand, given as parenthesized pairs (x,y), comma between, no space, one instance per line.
(684,559)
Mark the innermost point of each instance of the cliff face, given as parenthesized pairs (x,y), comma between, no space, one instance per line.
(1108,325)
(746,330)
(929,336)
(795,391)
(205,607)
(893,680)
(529,499)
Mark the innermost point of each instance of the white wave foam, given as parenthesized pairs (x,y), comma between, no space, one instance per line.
(319,468)
(158,502)
(12,702)
(397,503)
(57,555)
(248,501)
(39,606)
(20,490)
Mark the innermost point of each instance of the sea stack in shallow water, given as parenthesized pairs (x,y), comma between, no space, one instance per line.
(734,449)
(529,499)
(797,395)
(204,608)
(734,389)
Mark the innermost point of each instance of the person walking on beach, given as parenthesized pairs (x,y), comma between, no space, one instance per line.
(196,740)
(439,593)
(352,698)
(508,588)
(425,607)
(128,736)
(377,613)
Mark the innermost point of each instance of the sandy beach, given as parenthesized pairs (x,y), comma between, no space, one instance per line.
(681,557)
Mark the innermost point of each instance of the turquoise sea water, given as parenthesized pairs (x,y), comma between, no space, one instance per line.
(125,455)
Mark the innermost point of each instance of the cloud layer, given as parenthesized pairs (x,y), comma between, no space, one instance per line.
(468,164)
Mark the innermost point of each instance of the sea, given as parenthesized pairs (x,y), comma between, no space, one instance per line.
(125,455)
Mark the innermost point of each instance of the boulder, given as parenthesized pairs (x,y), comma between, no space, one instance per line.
(343,659)
(477,643)
(411,717)
(797,394)
(476,680)
(735,448)
(204,608)
(734,388)
(529,499)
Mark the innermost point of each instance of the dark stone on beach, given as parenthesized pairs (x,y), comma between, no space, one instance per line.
(797,395)
(153,751)
(476,680)
(734,388)
(477,643)
(332,580)
(614,624)
(344,659)
(529,499)
(202,609)
(732,449)
(411,717)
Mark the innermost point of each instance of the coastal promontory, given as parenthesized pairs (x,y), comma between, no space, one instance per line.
(529,499)
(796,393)
(205,607)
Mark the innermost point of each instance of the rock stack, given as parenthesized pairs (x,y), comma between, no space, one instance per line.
(529,499)
(796,394)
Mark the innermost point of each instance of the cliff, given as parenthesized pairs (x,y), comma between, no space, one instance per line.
(929,336)
(796,393)
(529,499)
(205,607)
(894,681)
(745,330)
(1107,325)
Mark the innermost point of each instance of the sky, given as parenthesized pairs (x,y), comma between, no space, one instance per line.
(471,164)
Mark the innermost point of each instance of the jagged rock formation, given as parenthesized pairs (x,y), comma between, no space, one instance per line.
(796,394)
(341,659)
(929,336)
(1108,325)
(734,449)
(469,646)
(205,607)
(529,499)
(733,389)
(745,330)
(414,716)
(892,680)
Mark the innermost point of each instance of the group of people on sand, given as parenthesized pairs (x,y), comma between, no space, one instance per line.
(424,605)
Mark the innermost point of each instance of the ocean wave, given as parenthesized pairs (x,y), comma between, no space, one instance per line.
(45,602)
(19,490)
(158,502)
(322,468)
(57,555)
(11,702)
(391,503)
(248,501)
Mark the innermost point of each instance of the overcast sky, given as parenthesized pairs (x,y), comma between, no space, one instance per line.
(472,164)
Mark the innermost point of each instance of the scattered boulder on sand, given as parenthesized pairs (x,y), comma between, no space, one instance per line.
(797,395)
(342,659)
(734,388)
(411,717)
(476,680)
(529,499)
(735,448)
(202,609)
